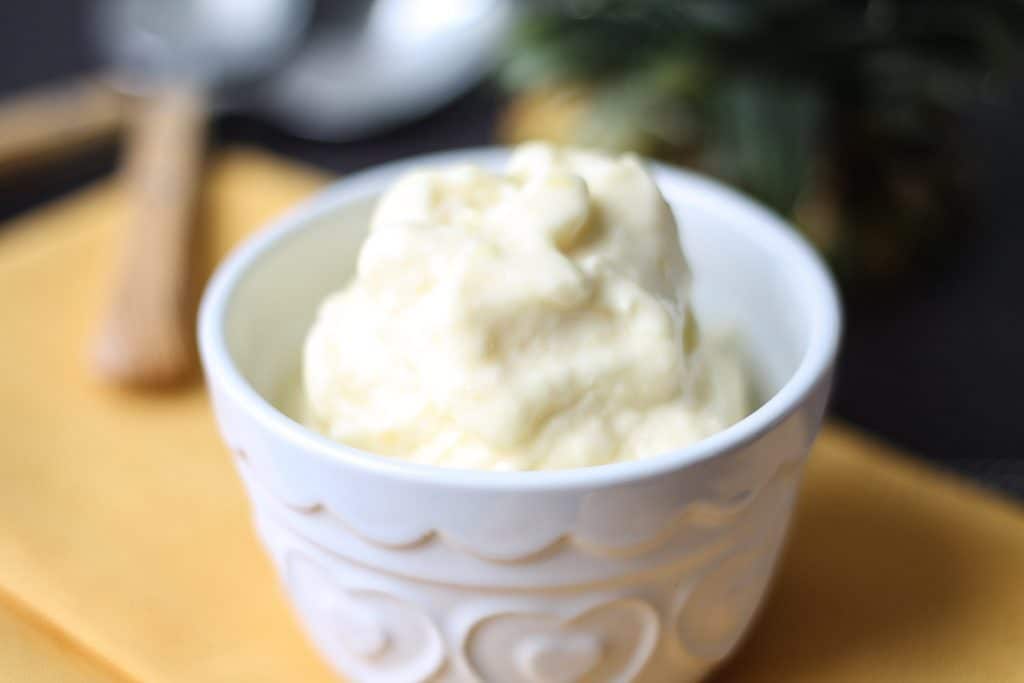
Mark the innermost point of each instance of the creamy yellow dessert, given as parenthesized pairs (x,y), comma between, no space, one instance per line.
(533,319)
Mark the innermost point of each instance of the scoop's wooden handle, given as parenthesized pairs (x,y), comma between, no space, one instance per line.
(47,122)
(145,338)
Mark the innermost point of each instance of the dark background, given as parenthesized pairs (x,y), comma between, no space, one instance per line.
(934,363)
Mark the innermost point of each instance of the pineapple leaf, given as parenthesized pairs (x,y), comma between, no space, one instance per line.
(763,134)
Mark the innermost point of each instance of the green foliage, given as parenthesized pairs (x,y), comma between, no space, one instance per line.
(767,93)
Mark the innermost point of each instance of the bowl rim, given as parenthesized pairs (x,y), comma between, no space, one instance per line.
(754,222)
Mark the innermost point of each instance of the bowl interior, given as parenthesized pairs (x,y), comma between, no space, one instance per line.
(276,300)
(749,280)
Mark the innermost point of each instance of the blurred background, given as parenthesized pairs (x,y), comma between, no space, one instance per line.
(890,132)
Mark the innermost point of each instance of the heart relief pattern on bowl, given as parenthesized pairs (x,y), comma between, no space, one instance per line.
(611,642)
(647,571)
(413,606)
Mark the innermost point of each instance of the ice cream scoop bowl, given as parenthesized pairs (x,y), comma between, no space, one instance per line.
(648,570)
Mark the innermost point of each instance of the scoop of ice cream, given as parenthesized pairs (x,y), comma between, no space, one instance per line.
(535,319)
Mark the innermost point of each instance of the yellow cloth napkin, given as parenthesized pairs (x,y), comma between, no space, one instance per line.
(34,651)
(126,552)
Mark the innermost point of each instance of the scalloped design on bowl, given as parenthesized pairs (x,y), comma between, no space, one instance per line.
(374,626)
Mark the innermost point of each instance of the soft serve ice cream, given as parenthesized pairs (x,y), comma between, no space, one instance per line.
(535,319)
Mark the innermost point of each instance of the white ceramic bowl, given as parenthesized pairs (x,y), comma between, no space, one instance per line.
(640,571)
